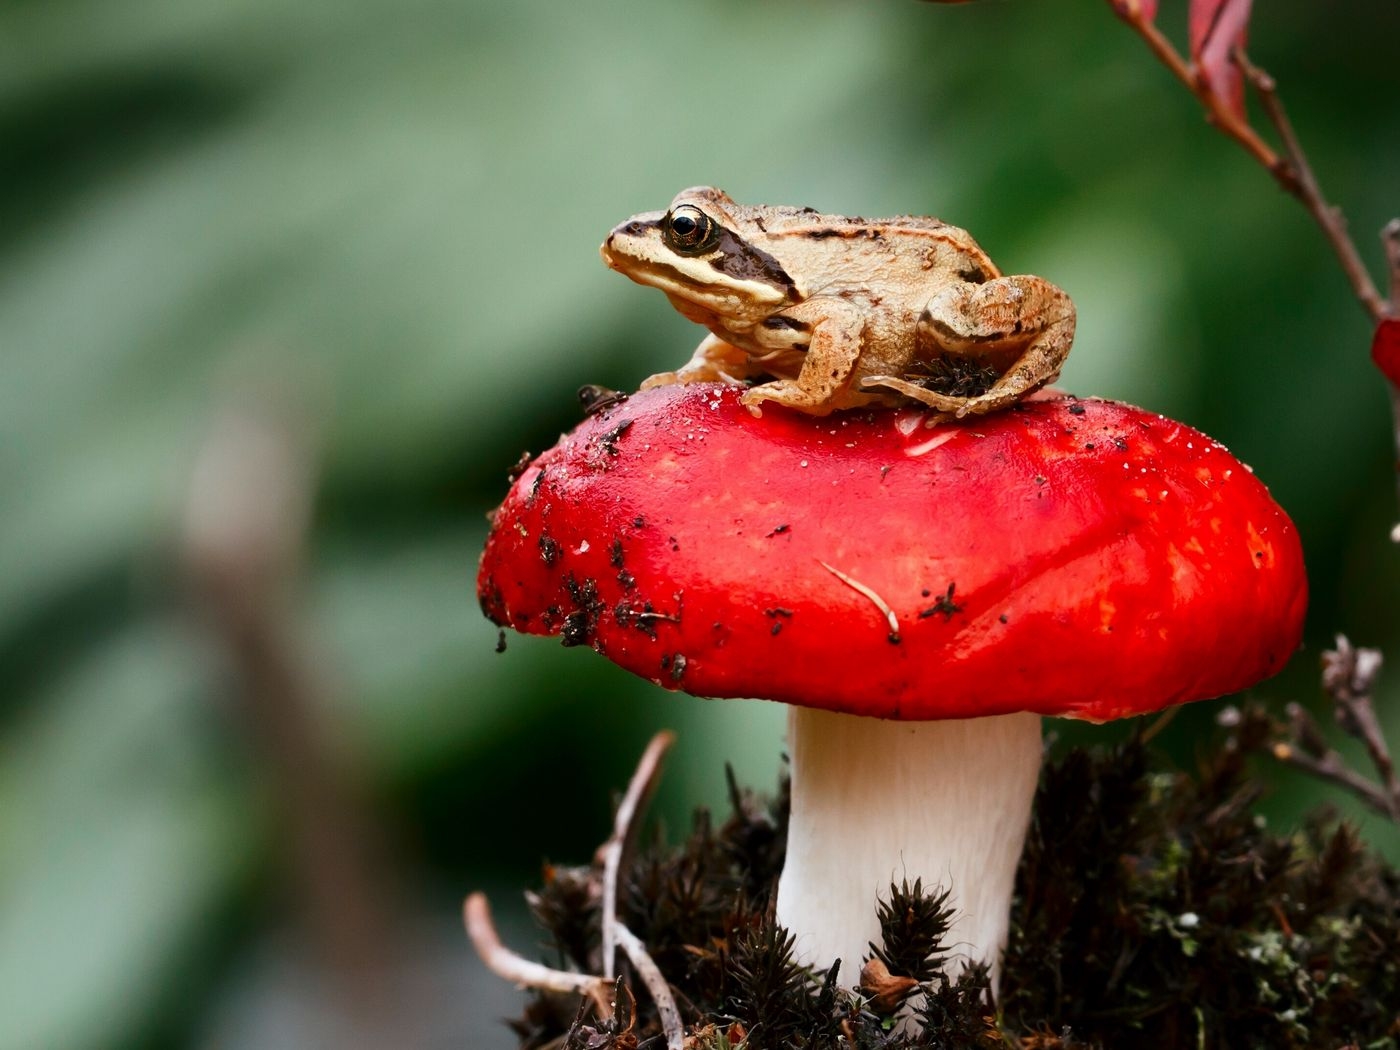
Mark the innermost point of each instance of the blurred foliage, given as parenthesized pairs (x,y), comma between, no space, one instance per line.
(388,215)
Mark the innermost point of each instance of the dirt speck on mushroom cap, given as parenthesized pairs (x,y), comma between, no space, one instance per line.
(1105,561)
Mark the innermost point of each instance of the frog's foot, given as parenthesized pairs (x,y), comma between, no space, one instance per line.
(790,393)
(714,361)
(660,379)
(989,402)
(688,375)
(945,403)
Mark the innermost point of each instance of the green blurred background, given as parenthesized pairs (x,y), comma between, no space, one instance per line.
(377,224)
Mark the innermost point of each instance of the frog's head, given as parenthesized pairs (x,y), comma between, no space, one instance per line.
(707,254)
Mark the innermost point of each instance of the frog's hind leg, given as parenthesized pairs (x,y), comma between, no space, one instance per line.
(1021,315)
(946,404)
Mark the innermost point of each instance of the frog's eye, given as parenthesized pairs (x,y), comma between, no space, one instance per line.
(690,231)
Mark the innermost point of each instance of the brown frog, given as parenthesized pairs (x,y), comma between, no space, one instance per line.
(845,312)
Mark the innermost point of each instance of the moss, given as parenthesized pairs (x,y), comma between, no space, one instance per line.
(1153,907)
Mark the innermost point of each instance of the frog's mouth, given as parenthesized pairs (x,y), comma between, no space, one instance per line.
(646,268)
(710,287)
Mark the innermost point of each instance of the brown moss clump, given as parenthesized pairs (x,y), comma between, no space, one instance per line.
(1153,908)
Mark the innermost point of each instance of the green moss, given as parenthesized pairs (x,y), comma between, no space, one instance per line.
(1153,907)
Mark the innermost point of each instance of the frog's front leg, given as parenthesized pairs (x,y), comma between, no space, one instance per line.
(835,330)
(1022,315)
(714,361)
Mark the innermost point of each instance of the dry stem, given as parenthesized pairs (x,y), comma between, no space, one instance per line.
(1216,112)
(506,964)
(1302,183)
(656,984)
(1390,238)
(1348,677)
(1330,767)
(613,852)
(1291,171)
(242,543)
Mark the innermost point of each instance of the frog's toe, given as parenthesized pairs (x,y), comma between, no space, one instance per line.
(721,376)
(942,402)
(660,379)
(753,400)
(981,406)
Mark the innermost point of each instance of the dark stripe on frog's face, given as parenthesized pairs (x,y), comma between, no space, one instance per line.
(740,260)
(638,227)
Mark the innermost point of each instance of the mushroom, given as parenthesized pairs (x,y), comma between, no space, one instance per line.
(919,597)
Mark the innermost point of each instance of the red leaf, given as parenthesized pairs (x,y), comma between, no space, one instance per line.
(1217,27)
(1385,349)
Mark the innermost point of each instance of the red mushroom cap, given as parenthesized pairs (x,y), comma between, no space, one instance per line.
(1067,557)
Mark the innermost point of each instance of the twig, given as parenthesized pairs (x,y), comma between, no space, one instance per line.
(506,964)
(1302,183)
(1349,676)
(242,545)
(868,592)
(1158,724)
(1329,767)
(1390,239)
(657,987)
(1292,171)
(1130,11)
(613,852)
(512,967)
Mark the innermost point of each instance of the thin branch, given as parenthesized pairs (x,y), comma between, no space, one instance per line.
(613,852)
(1291,171)
(1304,731)
(1304,186)
(1390,239)
(1329,767)
(242,547)
(1216,112)
(1349,675)
(1159,723)
(520,971)
(657,987)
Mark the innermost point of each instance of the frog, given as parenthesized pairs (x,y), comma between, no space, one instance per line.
(822,313)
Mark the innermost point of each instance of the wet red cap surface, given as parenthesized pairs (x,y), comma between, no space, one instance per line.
(1068,557)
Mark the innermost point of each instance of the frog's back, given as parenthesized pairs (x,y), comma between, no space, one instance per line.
(809,221)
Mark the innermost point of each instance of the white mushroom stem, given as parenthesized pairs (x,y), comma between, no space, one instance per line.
(877,801)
